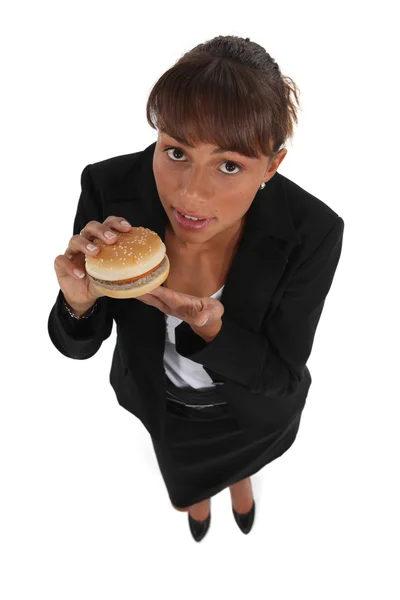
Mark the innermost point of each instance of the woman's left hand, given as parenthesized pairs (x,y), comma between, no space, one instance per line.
(191,309)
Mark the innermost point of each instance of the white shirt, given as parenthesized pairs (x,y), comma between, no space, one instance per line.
(182,371)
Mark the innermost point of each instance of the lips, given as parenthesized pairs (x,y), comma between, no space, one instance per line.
(184,212)
(191,224)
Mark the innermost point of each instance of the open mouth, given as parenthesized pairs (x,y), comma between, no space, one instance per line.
(191,223)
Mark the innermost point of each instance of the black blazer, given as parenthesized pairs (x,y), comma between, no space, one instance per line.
(273,297)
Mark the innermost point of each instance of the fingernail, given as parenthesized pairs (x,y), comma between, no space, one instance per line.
(204,322)
(125,224)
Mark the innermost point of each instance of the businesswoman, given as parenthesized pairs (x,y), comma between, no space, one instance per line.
(213,362)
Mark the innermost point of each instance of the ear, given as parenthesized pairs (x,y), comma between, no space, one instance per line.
(274,165)
(279,158)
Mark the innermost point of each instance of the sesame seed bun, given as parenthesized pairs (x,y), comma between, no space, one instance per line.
(135,264)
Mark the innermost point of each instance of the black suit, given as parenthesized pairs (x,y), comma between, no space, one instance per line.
(273,298)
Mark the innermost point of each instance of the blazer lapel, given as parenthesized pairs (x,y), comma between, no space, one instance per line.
(261,257)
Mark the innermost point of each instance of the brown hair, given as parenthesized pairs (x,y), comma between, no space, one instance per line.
(229,92)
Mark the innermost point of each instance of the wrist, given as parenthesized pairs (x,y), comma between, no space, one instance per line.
(79,310)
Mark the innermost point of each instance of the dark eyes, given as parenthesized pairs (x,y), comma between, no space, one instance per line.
(226,162)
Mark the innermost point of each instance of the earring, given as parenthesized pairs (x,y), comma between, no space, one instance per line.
(262,186)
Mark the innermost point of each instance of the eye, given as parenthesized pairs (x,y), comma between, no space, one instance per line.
(228,162)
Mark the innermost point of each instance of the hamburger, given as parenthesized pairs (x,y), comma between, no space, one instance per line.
(135,264)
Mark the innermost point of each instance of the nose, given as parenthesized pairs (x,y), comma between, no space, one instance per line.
(195,193)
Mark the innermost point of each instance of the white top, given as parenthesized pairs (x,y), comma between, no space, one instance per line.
(182,371)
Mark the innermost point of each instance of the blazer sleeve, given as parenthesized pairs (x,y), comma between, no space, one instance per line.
(273,361)
(81,339)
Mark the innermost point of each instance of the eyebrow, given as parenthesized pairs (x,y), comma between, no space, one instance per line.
(215,151)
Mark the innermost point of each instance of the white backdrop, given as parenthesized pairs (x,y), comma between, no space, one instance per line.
(84,511)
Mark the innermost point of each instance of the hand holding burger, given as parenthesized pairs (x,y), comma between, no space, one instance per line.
(76,287)
(204,315)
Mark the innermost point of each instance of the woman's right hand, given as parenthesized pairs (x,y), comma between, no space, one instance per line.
(80,292)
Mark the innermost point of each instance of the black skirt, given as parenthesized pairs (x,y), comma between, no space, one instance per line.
(204,449)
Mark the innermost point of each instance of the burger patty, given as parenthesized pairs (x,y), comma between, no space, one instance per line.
(125,282)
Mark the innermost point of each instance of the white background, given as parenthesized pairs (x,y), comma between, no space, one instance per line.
(84,510)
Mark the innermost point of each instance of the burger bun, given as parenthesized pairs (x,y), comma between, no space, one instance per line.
(135,264)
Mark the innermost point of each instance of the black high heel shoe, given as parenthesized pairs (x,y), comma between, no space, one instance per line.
(245,520)
(197,528)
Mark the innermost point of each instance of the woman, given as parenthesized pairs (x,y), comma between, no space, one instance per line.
(221,399)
